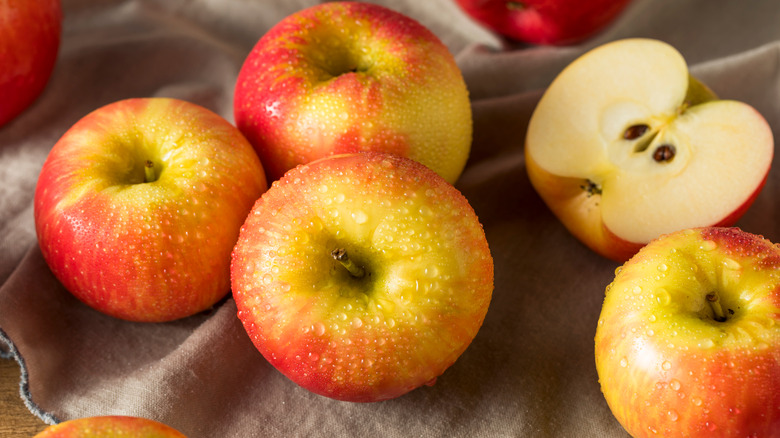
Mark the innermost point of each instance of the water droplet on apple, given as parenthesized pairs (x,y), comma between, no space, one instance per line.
(663,267)
(674,384)
(319,328)
(706,343)
(731,264)
(666,365)
(623,362)
(322,189)
(360,217)
(673,415)
(340,198)
(357,322)
(696,401)
(663,296)
(637,290)
(651,318)
(708,245)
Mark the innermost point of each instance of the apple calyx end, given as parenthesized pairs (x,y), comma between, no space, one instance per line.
(591,187)
(149,174)
(717,309)
(514,5)
(340,255)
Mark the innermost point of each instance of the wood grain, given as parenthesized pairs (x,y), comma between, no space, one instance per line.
(16,421)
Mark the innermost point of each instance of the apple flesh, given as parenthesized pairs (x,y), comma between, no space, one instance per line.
(140,242)
(554,22)
(345,77)
(688,340)
(110,426)
(29,43)
(646,148)
(362,277)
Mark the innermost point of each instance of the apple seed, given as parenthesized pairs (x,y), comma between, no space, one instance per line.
(354,270)
(635,131)
(664,153)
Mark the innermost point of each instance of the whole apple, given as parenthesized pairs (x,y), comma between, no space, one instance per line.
(362,277)
(29,43)
(647,148)
(139,204)
(688,341)
(110,426)
(554,22)
(345,77)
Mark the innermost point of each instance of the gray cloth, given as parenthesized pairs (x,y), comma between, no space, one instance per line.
(529,372)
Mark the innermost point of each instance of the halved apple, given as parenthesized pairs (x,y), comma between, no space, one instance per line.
(625,145)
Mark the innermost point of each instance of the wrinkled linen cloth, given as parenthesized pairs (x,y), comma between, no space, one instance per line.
(529,372)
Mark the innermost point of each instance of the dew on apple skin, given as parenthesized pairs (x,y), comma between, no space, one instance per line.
(675,384)
(732,264)
(673,415)
(708,245)
(666,365)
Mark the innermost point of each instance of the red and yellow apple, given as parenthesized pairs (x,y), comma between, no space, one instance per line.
(363,276)
(110,426)
(555,22)
(29,43)
(688,341)
(139,204)
(625,145)
(344,77)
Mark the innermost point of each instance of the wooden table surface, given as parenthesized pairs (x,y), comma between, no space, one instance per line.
(16,421)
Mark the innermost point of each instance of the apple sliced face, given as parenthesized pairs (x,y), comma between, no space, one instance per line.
(625,146)
(110,426)
(688,340)
(361,277)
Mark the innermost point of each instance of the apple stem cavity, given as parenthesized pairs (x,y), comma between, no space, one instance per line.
(149,173)
(340,255)
(717,309)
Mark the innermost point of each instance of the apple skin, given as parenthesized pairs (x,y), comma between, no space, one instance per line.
(544,22)
(110,426)
(426,289)
(346,77)
(146,251)
(666,366)
(29,42)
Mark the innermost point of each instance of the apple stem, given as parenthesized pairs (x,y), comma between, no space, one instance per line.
(354,270)
(515,5)
(717,309)
(149,175)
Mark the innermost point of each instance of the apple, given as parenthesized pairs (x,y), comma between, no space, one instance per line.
(625,145)
(345,77)
(138,206)
(110,426)
(688,340)
(362,276)
(29,42)
(548,22)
